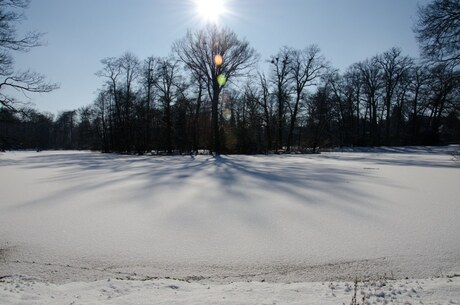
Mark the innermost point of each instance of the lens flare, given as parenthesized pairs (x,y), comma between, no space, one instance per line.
(227,114)
(218,60)
(221,80)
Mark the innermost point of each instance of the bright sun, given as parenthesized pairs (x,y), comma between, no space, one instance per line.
(210,10)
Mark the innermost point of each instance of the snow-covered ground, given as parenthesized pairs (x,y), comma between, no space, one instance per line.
(26,290)
(68,219)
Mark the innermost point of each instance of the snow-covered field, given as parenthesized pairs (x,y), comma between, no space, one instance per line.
(254,229)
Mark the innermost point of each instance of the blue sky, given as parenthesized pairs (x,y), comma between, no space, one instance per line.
(80,33)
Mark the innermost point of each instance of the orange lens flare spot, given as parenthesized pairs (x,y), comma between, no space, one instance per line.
(218,60)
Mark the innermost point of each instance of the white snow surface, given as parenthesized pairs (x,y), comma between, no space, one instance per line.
(69,220)
(28,291)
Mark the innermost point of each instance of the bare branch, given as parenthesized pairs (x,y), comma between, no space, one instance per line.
(11,13)
(438,31)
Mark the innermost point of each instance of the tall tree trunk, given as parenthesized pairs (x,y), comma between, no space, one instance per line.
(168,127)
(292,123)
(195,121)
(279,141)
(215,119)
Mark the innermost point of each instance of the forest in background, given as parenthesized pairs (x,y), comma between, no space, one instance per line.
(211,96)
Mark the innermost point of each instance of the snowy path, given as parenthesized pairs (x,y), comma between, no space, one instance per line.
(79,216)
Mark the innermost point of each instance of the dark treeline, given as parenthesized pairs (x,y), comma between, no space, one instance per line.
(210,96)
(155,105)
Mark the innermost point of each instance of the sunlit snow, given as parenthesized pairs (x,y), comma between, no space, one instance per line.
(82,216)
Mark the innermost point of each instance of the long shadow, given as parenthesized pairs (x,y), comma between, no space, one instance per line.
(305,183)
(112,169)
(420,156)
(237,177)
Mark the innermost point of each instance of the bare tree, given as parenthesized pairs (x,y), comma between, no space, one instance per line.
(444,84)
(307,67)
(145,106)
(147,75)
(394,68)
(196,107)
(419,89)
(266,102)
(217,55)
(121,74)
(111,71)
(342,99)
(353,83)
(438,31)
(372,83)
(102,120)
(320,116)
(130,71)
(11,13)
(281,76)
(170,87)
(65,129)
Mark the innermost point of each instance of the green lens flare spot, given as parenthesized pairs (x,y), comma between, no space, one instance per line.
(221,80)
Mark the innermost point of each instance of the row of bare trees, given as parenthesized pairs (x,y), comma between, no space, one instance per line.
(396,101)
(31,129)
(210,95)
(299,104)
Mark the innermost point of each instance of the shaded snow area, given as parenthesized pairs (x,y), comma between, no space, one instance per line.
(278,229)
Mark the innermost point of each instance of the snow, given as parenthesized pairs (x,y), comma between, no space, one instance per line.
(70,220)
(26,290)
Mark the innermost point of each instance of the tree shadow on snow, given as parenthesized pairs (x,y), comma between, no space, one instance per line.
(295,180)
(218,181)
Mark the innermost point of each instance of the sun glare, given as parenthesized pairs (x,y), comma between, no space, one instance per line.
(210,10)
